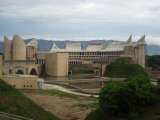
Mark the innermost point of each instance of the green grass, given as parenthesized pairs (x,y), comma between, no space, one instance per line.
(13,101)
(136,75)
(93,105)
(122,68)
(62,94)
(81,69)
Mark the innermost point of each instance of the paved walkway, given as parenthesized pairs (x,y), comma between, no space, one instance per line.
(56,87)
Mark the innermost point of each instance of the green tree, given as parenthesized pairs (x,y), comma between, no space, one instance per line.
(153,61)
(128,97)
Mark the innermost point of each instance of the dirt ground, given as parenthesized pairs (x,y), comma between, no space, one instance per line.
(64,108)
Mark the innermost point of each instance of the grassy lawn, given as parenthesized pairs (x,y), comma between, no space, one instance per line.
(81,69)
(122,69)
(93,105)
(62,94)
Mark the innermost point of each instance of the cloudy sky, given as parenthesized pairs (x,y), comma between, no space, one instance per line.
(81,19)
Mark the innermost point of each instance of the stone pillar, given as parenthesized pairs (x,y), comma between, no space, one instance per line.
(103,69)
(141,54)
(7,49)
(57,64)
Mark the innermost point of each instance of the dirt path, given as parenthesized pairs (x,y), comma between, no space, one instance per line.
(64,108)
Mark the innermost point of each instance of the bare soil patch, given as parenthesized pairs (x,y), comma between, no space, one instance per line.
(63,107)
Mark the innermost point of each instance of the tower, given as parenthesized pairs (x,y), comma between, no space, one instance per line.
(7,49)
(19,48)
(141,51)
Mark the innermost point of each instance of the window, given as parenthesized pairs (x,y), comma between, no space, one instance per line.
(10,71)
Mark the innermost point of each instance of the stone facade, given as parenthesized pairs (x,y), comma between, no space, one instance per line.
(96,52)
(23,81)
(18,49)
(19,58)
(26,59)
(7,48)
(56,64)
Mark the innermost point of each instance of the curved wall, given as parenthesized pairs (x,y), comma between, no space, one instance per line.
(7,49)
(19,48)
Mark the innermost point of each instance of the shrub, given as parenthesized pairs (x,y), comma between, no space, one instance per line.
(131,96)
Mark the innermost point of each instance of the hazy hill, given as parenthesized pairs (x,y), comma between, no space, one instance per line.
(153,49)
(45,45)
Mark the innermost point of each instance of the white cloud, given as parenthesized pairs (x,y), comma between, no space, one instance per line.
(137,16)
(109,10)
(153,40)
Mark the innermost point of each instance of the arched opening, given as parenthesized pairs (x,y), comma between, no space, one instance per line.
(19,72)
(33,72)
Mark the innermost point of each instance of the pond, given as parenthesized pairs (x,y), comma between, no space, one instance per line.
(92,84)
(89,83)
(77,77)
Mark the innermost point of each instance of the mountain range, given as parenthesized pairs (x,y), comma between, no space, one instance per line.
(46,45)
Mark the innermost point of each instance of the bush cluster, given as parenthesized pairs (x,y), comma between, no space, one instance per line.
(128,97)
(131,96)
(153,62)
